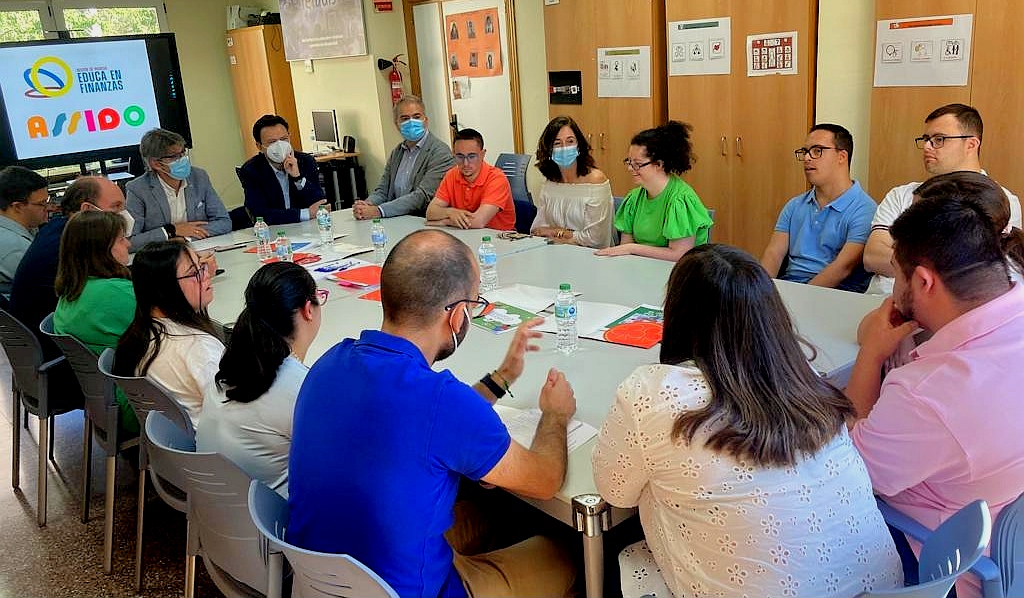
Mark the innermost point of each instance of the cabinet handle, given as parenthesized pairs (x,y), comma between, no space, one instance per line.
(590,139)
(602,141)
(739,146)
(725,146)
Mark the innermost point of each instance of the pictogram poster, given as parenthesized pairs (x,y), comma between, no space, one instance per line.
(474,43)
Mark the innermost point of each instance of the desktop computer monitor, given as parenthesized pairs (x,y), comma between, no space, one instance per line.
(325,127)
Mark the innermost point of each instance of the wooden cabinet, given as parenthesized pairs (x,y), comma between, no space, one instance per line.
(573,30)
(262,80)
(746,128)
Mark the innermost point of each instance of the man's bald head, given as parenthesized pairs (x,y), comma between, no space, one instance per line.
(426,271)
(97,191)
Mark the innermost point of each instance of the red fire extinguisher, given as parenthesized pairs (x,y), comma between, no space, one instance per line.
(395,78)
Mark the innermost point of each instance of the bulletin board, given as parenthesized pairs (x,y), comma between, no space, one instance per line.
(474,43)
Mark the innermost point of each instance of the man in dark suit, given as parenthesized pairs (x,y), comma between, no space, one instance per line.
(280,184)
(414,169)
(173,199)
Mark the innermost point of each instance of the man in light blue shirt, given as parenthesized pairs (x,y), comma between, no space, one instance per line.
(820,235)
(24,207)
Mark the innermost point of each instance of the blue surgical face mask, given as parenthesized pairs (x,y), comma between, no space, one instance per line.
(180,168)
(565,156)
(412,129)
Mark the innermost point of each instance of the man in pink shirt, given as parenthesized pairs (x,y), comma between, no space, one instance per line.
(945,429)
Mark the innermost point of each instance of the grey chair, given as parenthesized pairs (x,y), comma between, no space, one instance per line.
(315,574)
(711,212)
(949,552)
(102,422)
(1001,572)
(514,166)
(220,529)
(147,396)
(36,391)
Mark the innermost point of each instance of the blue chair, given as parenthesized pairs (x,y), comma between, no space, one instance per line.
(39,393)
(316,574)
(950,551)
(514,166)
(1002,572)
(102,422)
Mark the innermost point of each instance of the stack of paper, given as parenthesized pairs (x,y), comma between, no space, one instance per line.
(522,425)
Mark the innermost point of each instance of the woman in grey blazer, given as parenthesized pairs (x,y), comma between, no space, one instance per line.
(173,199)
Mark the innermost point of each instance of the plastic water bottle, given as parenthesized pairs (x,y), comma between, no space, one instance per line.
(379,238)
(488,266)
(323,223)
(283,247)
(263,249)
(565,318)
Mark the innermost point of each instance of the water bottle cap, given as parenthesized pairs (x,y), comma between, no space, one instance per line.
(376,220)
(259,219)
(280,233)
(487,239)
(564,287)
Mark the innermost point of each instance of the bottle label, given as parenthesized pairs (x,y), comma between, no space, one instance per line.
(489,259)
(565,311)
(379,238)
(323,219)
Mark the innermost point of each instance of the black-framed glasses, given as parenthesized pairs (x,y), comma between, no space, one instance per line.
(633,165)
(200,273)
(460,158)
(477,307)
(814,151)
(322,295)
(177,156)
(937,141)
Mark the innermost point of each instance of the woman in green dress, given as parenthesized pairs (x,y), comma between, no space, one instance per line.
(663,217)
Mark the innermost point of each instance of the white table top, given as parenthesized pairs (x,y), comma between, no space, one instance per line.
(826,317)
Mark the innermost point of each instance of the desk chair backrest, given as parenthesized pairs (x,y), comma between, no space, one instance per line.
(948,553)
(146,395)
(514,166)
(217,508)
(98,390)
(25,354)
(1008,547)
(316,574)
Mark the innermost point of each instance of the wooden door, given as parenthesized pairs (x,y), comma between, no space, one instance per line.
(898,113)
(706,102)
(568,31)
(280,81)
(250,77)
(771,117)
(996,90)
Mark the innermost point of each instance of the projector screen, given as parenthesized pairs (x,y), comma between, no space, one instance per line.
(69,101)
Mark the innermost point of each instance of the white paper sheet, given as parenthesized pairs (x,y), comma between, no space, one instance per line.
(524,296)
(591,317)
(522,425)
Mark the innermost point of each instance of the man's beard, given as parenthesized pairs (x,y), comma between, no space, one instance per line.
(457,339)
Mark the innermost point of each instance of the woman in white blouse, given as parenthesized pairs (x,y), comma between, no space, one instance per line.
(737,453)
(575,203)
(171,339)
(247,415)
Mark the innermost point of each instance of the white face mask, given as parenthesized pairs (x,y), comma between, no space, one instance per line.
(278,151)
(129,221)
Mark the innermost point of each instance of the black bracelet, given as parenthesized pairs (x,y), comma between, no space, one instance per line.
(492,386)
(170,230)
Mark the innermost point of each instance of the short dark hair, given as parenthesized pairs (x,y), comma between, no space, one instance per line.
(767,407)
(967,116)
(469,135)
(259,340)
(84,189)
(17,183)
(85,252)
(546,143)
(949,231)
(425,271)
(842,138)
(267,120)
(668,144)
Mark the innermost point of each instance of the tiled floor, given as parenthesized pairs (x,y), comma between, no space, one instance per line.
(65,557)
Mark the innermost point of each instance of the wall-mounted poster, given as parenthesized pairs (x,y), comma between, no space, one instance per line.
(474,43)
(322,29)
(925,51)
(565,87)
(700,47)
(772,54)
(624,72)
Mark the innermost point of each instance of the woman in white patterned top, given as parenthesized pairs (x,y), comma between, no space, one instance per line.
(737,454)
(575,202)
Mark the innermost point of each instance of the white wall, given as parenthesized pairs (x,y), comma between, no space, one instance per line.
(846,34)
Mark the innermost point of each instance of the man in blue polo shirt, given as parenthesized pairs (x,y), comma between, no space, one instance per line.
(381,441)
(820,234)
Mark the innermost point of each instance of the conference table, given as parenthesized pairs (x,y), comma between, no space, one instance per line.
(826,318)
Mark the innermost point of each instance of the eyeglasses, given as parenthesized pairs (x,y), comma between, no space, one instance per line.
(460,158)
(173,157)
(815,151)
(937,141)
(41,204)
(199,274)
(479,306)
(633,165)
(321,296)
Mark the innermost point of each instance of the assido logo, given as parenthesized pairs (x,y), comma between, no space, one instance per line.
(50,77)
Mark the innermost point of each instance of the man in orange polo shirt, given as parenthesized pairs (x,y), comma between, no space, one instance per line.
(473,194)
